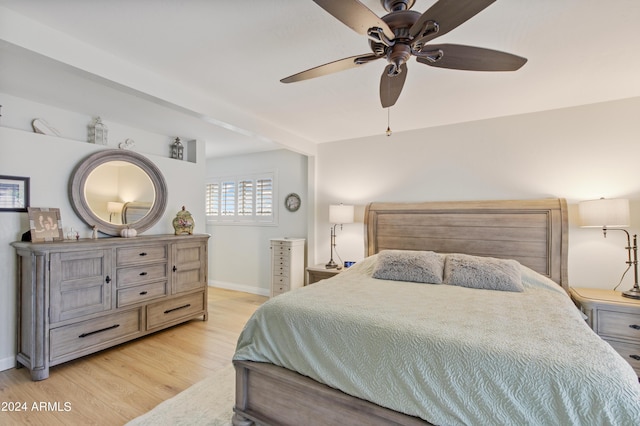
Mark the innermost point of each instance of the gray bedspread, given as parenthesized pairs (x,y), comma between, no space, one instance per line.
(449,355)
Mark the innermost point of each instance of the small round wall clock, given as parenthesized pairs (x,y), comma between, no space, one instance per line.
(292,202)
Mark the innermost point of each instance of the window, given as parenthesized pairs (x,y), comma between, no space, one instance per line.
(241,199)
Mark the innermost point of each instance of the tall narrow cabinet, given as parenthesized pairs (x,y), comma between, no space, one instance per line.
(287,264)
(79,297)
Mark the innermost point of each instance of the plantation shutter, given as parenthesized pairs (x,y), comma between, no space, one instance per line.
(228,198)
(245,198)
(212,203)
(264,197)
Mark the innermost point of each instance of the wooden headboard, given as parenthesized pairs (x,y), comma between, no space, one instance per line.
(533,232)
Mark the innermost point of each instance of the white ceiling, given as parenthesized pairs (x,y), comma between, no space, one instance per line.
(232,54)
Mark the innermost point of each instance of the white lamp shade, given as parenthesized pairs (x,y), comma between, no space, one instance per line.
(114,207)
(339,214)
(604,213)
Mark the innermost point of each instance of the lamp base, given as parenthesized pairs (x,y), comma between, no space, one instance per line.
(634,293)
(331,265)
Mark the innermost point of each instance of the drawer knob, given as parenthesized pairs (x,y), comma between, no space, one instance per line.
(635,326)
(636,357)
(142,274)
(143,254)
(142,293)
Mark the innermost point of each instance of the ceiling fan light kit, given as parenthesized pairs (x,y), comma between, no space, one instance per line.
(404,33)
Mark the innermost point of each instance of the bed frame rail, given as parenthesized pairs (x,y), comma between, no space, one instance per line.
(265,398)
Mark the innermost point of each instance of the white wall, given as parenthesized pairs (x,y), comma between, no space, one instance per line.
(577,153)
(48,162)
(240,256)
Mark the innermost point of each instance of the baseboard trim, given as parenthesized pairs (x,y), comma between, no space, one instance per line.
(7,363)
(239,287)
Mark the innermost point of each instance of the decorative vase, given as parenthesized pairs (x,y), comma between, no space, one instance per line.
(183,222)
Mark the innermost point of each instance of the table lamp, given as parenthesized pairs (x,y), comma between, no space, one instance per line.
(338,215)
(612,214)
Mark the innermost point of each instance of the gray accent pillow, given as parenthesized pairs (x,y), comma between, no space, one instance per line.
(409,265)
(483,272)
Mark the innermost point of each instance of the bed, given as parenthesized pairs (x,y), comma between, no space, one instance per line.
(355,349)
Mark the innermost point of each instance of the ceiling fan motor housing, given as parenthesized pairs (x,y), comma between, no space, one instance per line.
(395,5)
(400,52)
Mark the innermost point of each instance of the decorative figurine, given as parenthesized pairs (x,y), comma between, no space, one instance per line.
(128,232)
(98,132)
(127,144)
(183,222)
(177,150)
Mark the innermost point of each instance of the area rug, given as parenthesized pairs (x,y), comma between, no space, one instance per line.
(208,402)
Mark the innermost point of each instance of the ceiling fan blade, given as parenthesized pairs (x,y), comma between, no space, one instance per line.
(331,67)
(447,14)
(356,16)
(470,58)
(391,86)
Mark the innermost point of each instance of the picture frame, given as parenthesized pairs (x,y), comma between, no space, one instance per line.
(14,193)
(45,224)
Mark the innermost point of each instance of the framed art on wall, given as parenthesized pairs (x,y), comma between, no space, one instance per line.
(45,224)
(14,193)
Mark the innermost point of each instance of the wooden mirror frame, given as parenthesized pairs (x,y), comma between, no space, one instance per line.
(89,164)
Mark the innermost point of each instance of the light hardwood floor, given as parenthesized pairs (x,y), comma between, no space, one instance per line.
(121,383)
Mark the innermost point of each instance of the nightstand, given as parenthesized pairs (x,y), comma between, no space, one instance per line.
(319,272)
(614,318)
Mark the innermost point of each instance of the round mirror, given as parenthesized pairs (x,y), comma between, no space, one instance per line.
(116,189)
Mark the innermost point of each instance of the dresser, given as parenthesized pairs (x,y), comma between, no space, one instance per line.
(79,297)
(614,318)
(287,264)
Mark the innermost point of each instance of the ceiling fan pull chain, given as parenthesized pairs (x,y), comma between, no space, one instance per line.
(388,132)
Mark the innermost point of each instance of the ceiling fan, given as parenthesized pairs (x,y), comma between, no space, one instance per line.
(403,33)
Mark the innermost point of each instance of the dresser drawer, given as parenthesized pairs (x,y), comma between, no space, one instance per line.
(281,271)
(164,312)
(282,261)
(141,254)
(279,289)
(88,336)
(280,280)
(135,275)
(281,254)
(630,352)
(279,244)
(141,293)
(623,325)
